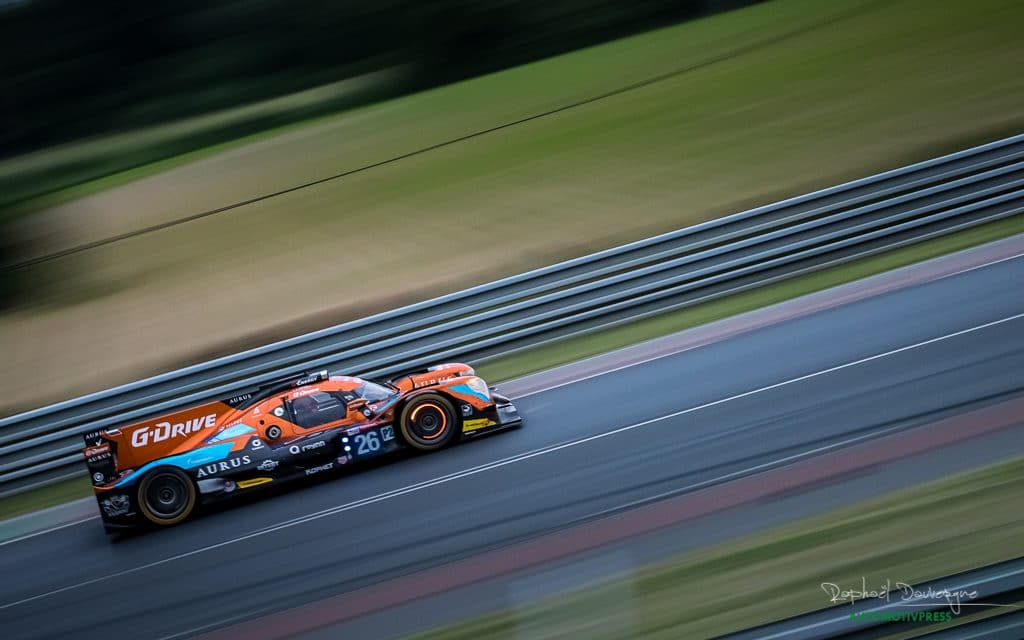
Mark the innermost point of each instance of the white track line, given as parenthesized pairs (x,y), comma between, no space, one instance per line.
(501,463)
(50,530)
(583,378)
(613,510)
(699,345)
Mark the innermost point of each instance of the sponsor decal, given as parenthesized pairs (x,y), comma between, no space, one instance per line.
(312,446)
(279,412)
(419,384)
(351,431)
(97,477)
(253,482)
(93,436)
(237,399)
(323,467)
(319,376)
(97,450)
(479,423)
(267,465)
(304,392)
(165,430)
(116,505)
(222,466)
(98,454)
(257,443)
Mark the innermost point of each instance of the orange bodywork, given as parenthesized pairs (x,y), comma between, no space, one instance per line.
(271,418)
(158,470)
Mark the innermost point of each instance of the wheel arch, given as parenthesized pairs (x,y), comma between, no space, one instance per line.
(430,391)
(142,484)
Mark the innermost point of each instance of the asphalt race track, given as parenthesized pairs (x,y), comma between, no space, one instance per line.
(851,372)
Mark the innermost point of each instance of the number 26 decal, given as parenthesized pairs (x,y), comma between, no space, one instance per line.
(367,443)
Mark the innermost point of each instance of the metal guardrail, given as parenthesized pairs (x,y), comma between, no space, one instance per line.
(602,289)
(971,592)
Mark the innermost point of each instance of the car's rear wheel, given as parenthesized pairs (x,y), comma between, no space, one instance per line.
(166,496)
(428,422)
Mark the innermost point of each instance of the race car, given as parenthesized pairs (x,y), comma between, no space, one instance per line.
(157,471)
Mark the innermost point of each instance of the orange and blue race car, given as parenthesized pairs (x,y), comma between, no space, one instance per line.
(157,471)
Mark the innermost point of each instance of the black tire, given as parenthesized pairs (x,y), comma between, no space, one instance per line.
(428,422)
(166,496)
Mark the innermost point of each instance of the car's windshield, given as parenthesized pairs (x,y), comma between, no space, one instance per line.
(374,392)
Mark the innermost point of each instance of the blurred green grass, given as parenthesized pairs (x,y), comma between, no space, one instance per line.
(38,499)
(422,120)
(430,117)
(822,100)
(944,527)
(53,175)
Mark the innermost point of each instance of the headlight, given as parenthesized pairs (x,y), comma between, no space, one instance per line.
(478,385)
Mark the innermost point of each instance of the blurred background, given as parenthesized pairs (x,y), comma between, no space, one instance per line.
(164,165)
(99,95)
(79,71)
(183,180)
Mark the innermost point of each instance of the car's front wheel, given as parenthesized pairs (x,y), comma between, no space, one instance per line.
(166,496)
(428,422)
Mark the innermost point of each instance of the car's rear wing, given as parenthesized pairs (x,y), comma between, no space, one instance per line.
(110,451)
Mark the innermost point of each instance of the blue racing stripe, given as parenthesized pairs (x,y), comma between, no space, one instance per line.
(187,460)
